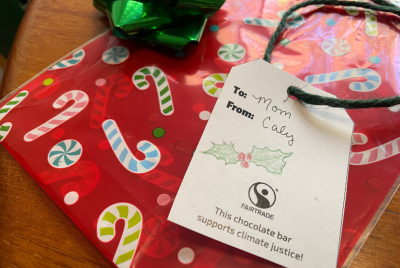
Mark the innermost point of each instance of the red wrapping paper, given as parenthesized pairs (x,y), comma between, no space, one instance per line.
(119,188)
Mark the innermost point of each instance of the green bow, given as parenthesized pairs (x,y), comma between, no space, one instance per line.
(173,23)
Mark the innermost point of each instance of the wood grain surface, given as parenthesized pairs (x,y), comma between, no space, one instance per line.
(34,232)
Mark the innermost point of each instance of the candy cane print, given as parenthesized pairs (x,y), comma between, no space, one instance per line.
(294,20)
(210,81)
(164,92)
(72,191)
(359,139)
(12,103)
(371,23)
(6,127)
(123,153)
(121,84)
(77,57)
(162,179)
(352,11)
(4,130)
(372,83)
(261,22)
(128,243)
(376,154)
(81,100)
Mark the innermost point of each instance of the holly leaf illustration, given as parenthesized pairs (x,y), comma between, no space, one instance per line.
(272,161)
(224,152)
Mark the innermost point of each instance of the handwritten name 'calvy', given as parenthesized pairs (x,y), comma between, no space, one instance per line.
(278,111)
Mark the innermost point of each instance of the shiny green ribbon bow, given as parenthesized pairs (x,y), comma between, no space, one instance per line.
(173,23)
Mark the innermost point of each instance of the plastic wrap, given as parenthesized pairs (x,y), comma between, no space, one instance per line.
(109,131)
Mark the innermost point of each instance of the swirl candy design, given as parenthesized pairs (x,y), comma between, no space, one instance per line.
(372,83)
(122,86)
(160,237)
(336,47)
(125,156)
(376,154)
(210,81)
(130,237)
(231,52)
(72,191)
(81,100)
(6,127)
(116,55)
(164,92)
(77,57)
(65,154)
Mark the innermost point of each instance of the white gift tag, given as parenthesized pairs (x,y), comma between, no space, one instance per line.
(269,176)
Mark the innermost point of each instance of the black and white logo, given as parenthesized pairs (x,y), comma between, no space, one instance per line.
(262,195)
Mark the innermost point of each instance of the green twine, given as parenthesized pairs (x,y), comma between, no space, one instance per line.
(381,5)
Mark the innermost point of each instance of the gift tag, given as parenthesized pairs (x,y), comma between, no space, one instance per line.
(269,174)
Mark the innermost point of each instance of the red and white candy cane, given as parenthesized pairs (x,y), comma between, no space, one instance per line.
(72,191)
(80,98)
(359,139)
(162,179)
(121,84)
(376,154)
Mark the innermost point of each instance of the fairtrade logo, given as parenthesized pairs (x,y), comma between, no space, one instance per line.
(262,195)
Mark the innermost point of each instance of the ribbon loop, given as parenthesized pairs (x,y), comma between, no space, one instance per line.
(173,23)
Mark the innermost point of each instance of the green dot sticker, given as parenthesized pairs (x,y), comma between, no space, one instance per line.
(158,132)
(48,82)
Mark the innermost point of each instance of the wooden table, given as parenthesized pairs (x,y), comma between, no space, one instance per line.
(34,232)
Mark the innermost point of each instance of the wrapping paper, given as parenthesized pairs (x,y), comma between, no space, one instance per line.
(109,131)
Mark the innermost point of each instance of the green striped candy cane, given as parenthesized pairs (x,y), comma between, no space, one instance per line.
(12,103)
(6,127)
(163,90)
(130,237)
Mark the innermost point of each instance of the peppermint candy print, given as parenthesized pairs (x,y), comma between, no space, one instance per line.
(116,55)
(231,52)
(336,47)
(65,154)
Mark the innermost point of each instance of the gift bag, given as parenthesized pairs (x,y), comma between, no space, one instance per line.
(109,131)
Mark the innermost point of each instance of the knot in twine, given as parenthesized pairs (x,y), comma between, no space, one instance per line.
(381,5)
